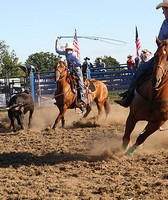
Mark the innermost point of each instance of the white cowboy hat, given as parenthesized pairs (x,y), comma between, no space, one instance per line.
(163,4)
(69,46)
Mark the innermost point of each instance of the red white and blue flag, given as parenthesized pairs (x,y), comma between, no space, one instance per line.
(137,41)
(76,44)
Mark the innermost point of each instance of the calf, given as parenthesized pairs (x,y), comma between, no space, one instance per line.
(19,105)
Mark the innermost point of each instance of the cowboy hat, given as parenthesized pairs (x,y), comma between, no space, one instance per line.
(144,50)
(163,4)
(98,58)
(69,46)
(86,58)
(129,56)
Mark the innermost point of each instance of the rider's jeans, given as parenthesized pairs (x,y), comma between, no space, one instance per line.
(81,84)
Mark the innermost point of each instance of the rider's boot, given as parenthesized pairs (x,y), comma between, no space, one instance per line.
(126,100)
(82,104)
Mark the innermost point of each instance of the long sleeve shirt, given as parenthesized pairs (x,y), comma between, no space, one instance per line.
(70,57)
(163,34)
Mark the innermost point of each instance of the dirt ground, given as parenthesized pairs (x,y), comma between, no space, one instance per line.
(83,161)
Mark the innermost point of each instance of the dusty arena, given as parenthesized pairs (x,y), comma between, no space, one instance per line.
(84,161)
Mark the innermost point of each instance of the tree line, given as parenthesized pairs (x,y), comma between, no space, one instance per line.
(42,61)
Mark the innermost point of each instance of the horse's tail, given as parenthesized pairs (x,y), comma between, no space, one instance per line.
(107,107)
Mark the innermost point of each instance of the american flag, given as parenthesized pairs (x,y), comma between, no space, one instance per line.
(76,44)
(137,42)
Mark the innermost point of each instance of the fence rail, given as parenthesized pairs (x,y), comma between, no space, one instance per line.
(43,85)
(116,78)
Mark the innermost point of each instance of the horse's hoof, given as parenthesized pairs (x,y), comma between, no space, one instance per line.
(130,152)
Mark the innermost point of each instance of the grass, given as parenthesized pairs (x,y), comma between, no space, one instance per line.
(114,95)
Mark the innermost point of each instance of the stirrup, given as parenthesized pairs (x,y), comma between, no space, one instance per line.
(82,108)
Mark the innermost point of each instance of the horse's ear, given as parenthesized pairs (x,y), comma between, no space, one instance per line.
(158,42)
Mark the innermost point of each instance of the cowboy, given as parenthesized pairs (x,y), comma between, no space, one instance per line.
(145,55)
(130,62)
(74,65)
(100,64)
(146,67)
(86,66)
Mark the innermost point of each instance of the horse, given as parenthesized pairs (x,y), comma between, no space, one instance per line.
(150,102)
(66,98)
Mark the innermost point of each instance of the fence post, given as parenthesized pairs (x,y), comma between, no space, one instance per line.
(32,83)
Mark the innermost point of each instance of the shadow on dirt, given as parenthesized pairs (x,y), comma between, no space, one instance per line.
(17,159)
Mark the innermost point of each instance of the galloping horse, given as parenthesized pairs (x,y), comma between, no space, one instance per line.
(66,98)
(150,101)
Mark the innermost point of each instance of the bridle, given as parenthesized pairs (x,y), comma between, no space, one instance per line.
(60,71)
(164,72)
(161,67)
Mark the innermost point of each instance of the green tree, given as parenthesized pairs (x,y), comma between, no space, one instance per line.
(43,61)
(110,61)
(8,61)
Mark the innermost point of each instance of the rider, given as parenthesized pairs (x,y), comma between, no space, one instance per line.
(74,65)
(147,67)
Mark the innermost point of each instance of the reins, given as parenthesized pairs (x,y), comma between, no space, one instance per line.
(61,77)
(164,72)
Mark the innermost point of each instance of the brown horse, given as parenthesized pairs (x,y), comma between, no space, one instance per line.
(150,101)
(66,98)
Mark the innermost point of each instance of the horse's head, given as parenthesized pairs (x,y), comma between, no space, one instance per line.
(160,62)
(60,70)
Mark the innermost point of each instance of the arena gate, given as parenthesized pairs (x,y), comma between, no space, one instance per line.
(43,84)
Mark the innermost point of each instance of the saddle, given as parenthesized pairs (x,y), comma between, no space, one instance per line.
(73,81)
(75,88)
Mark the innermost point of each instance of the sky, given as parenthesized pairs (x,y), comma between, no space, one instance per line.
(32,26)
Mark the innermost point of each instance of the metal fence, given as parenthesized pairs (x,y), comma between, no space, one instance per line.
(43,85)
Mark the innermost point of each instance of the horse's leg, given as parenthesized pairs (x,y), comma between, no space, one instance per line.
(150,128)
(130,125)
(59,117)
(88,109)
(63,122)
(100,109)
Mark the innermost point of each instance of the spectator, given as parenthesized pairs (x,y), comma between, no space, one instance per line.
(137,62)
(145,55)
(86,66)
(100,64)
(130,62)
